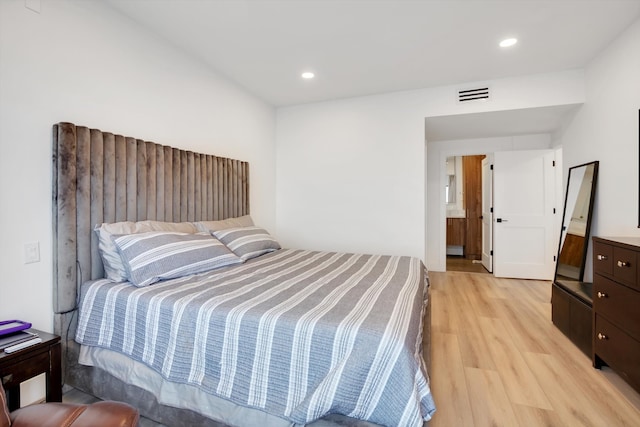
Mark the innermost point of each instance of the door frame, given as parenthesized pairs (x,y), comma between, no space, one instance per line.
(487,213)
(440,220)
(435,236)
(442,182)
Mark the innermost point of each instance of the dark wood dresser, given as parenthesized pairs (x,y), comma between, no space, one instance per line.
(616,306)
(571,312)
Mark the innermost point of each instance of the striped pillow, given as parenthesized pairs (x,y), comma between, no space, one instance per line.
(111,260)
(154,256)
(247,242)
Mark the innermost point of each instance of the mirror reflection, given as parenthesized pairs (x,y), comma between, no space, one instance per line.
(576,221)
(454,175)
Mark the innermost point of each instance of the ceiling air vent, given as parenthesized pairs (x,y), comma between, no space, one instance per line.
(478,94)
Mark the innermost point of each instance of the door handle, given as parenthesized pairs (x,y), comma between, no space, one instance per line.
(501,220)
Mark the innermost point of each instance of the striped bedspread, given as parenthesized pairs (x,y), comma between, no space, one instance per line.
(298,334)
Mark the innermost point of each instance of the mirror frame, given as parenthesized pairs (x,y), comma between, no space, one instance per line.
(588,222)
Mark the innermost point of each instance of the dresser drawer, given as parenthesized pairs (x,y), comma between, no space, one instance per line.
(618,350)
(624,266)
(602,258)
(618,304)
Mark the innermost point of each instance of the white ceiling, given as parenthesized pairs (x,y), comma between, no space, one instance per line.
(363,47)
(524,121)
(360,47)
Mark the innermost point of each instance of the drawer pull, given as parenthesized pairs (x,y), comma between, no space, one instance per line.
(602,336)
(624,263)
(602,295)
(601,257)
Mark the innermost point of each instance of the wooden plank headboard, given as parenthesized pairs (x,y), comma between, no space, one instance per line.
(101,177)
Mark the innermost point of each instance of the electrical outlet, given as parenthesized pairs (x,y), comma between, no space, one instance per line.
(31,252)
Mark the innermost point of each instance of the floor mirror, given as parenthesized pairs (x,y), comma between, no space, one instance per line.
(571,297)
(576,222)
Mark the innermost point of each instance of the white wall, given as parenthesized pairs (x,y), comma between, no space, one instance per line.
(352,174)
(83,62)
(347,180)
(606,129)
(437,153)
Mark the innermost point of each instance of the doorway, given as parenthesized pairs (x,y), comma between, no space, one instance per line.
(463,133)
(520,221)
(464,206)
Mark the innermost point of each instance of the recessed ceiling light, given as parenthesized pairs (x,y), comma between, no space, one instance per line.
(308,75)
(508,42)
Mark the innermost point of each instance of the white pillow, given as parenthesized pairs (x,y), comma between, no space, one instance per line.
(241,221)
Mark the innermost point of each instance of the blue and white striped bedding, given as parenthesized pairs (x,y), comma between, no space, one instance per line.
(295,333)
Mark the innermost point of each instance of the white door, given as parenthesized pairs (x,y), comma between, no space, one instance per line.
(523,196)
(487,213)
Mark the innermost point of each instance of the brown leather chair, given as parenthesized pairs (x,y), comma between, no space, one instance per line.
(99,414)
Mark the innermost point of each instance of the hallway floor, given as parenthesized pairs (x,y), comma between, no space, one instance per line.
(460,263)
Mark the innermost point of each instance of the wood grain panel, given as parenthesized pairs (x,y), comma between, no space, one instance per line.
(539,378)
(518,379)
(619,304)
(456,231)
(495,409)
(572,251)
(472,167)
(574,406)
(536,417)
(449,378)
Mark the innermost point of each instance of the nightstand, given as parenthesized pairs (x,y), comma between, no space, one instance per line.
(29,362)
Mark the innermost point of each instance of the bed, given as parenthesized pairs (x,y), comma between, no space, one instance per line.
(269,336)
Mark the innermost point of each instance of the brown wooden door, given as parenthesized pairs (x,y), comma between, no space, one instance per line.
(472,166)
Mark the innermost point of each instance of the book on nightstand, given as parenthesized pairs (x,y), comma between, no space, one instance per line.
(17,338)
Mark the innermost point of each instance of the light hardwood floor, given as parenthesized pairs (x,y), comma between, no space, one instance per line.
(459,263)
(497,360)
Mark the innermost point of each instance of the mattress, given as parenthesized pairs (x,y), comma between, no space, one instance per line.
(296,334)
